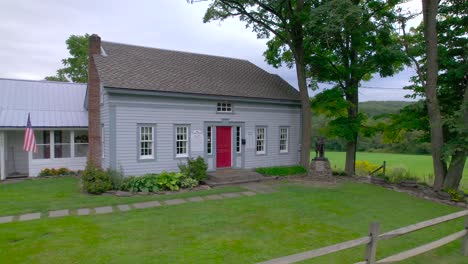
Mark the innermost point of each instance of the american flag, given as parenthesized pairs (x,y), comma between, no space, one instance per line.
(29,139)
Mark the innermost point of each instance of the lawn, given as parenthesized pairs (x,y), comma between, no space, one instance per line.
(418,165)
(43,195)
(238,230)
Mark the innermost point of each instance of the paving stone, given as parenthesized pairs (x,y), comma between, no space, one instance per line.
(6,219)
(248,193)
(175,201)
(59,213)
(146,204)
(124,207)
(214,197)
(83,211)
(103,210)
(27,217)
(195,199)
(231,195)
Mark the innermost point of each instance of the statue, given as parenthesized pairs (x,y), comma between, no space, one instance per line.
(320,149)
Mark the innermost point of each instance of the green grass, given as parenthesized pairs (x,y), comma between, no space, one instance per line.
(239,230)
(281,171)
(43,195)
(418,165)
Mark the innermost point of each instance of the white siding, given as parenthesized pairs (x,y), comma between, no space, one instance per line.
(105,120)
(166,112)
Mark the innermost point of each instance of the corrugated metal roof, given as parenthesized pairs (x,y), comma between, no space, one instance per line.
(51,104)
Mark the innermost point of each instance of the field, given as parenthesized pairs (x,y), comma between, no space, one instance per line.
(293,219)
(418,165)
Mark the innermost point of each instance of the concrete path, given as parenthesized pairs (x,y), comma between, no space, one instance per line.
(123,207)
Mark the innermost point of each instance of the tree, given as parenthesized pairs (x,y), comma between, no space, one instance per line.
(442,80)
(75,67)
(285,20)
(347,41)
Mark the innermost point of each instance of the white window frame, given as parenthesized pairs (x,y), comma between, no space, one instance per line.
(209,140)
(50,144)
(186,140)
(285,139)
(224,107)
(145,129)
(75,144)
(238,139)
(257,140)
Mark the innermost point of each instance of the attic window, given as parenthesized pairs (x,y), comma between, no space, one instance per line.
(224,108)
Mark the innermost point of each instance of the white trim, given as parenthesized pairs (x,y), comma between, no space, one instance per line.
(224,107)
(286,140)
(182,155)
(144,157)
(2,156)
(260,152)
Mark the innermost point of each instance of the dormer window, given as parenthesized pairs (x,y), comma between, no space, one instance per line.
(224,108)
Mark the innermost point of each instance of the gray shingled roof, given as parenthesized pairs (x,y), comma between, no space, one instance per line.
(142,68)
(51,104)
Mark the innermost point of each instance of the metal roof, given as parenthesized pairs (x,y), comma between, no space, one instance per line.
(51,104)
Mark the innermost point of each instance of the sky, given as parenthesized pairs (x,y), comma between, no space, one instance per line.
(33,35)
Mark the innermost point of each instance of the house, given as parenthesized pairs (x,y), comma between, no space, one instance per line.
(146,110)
(60,122)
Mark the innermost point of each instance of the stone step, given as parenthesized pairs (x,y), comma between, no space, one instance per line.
(233,182)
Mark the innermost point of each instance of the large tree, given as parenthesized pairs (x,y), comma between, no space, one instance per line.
(438,49)
(285,20)
(347,42)
(75,67)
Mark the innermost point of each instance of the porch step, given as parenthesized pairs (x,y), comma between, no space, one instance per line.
(233,176)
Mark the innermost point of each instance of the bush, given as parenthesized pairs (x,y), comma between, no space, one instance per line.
(186,183)
(456,196)
(169,180)
(95,180)
(56,172)
(153,182)
(364,168)
(117,178)
(195,169)
(281,170)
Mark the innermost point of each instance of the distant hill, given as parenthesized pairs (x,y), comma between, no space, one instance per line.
(373,108)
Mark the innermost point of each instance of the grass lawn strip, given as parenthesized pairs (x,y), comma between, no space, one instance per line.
(44,195)
(245,230)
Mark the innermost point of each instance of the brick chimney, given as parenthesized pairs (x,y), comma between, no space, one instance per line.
(94,101)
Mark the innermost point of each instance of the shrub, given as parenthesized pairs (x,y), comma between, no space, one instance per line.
(188,183)
(95,180)
(153,182)
(456,196)
(117,178)
(56,172)
(195,168)
(170,180)
(281,170)
(364,168)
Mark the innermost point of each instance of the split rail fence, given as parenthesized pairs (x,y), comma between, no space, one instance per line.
(374,236)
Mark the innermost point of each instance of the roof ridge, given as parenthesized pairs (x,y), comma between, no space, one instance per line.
(177,51)
(41,81)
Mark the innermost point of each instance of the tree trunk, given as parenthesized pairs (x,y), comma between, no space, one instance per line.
(455,171)
(352,97)
(433,109)
(305,106)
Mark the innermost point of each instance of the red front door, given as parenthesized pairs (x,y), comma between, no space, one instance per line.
(223,146)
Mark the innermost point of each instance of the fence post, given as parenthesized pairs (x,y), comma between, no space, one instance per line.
(372,246)
(384,167)
(464,248)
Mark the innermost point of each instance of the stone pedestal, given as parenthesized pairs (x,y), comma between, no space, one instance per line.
(320,167)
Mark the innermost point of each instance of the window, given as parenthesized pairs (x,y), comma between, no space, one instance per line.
(43,144)
(238,139)
(209,146)
(146,142)
(62,146)
(181,141)
(81,143)
(261,135)
(225,107)
(284,134)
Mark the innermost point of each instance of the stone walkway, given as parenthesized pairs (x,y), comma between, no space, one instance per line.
(123,207)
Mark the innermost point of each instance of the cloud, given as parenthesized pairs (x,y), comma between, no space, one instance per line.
(34,34)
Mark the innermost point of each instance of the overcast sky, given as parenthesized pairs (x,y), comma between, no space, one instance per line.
(33,35)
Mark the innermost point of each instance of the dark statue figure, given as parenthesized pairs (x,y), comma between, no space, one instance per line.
(320,149)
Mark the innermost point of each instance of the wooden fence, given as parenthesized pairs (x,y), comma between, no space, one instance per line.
(374,236)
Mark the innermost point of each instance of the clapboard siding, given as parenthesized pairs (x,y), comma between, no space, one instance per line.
(105,121)
(165,112)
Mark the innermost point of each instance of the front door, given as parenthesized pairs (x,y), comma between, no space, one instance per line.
(223,146)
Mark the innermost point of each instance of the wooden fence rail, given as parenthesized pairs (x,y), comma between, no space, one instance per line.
(374,236)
